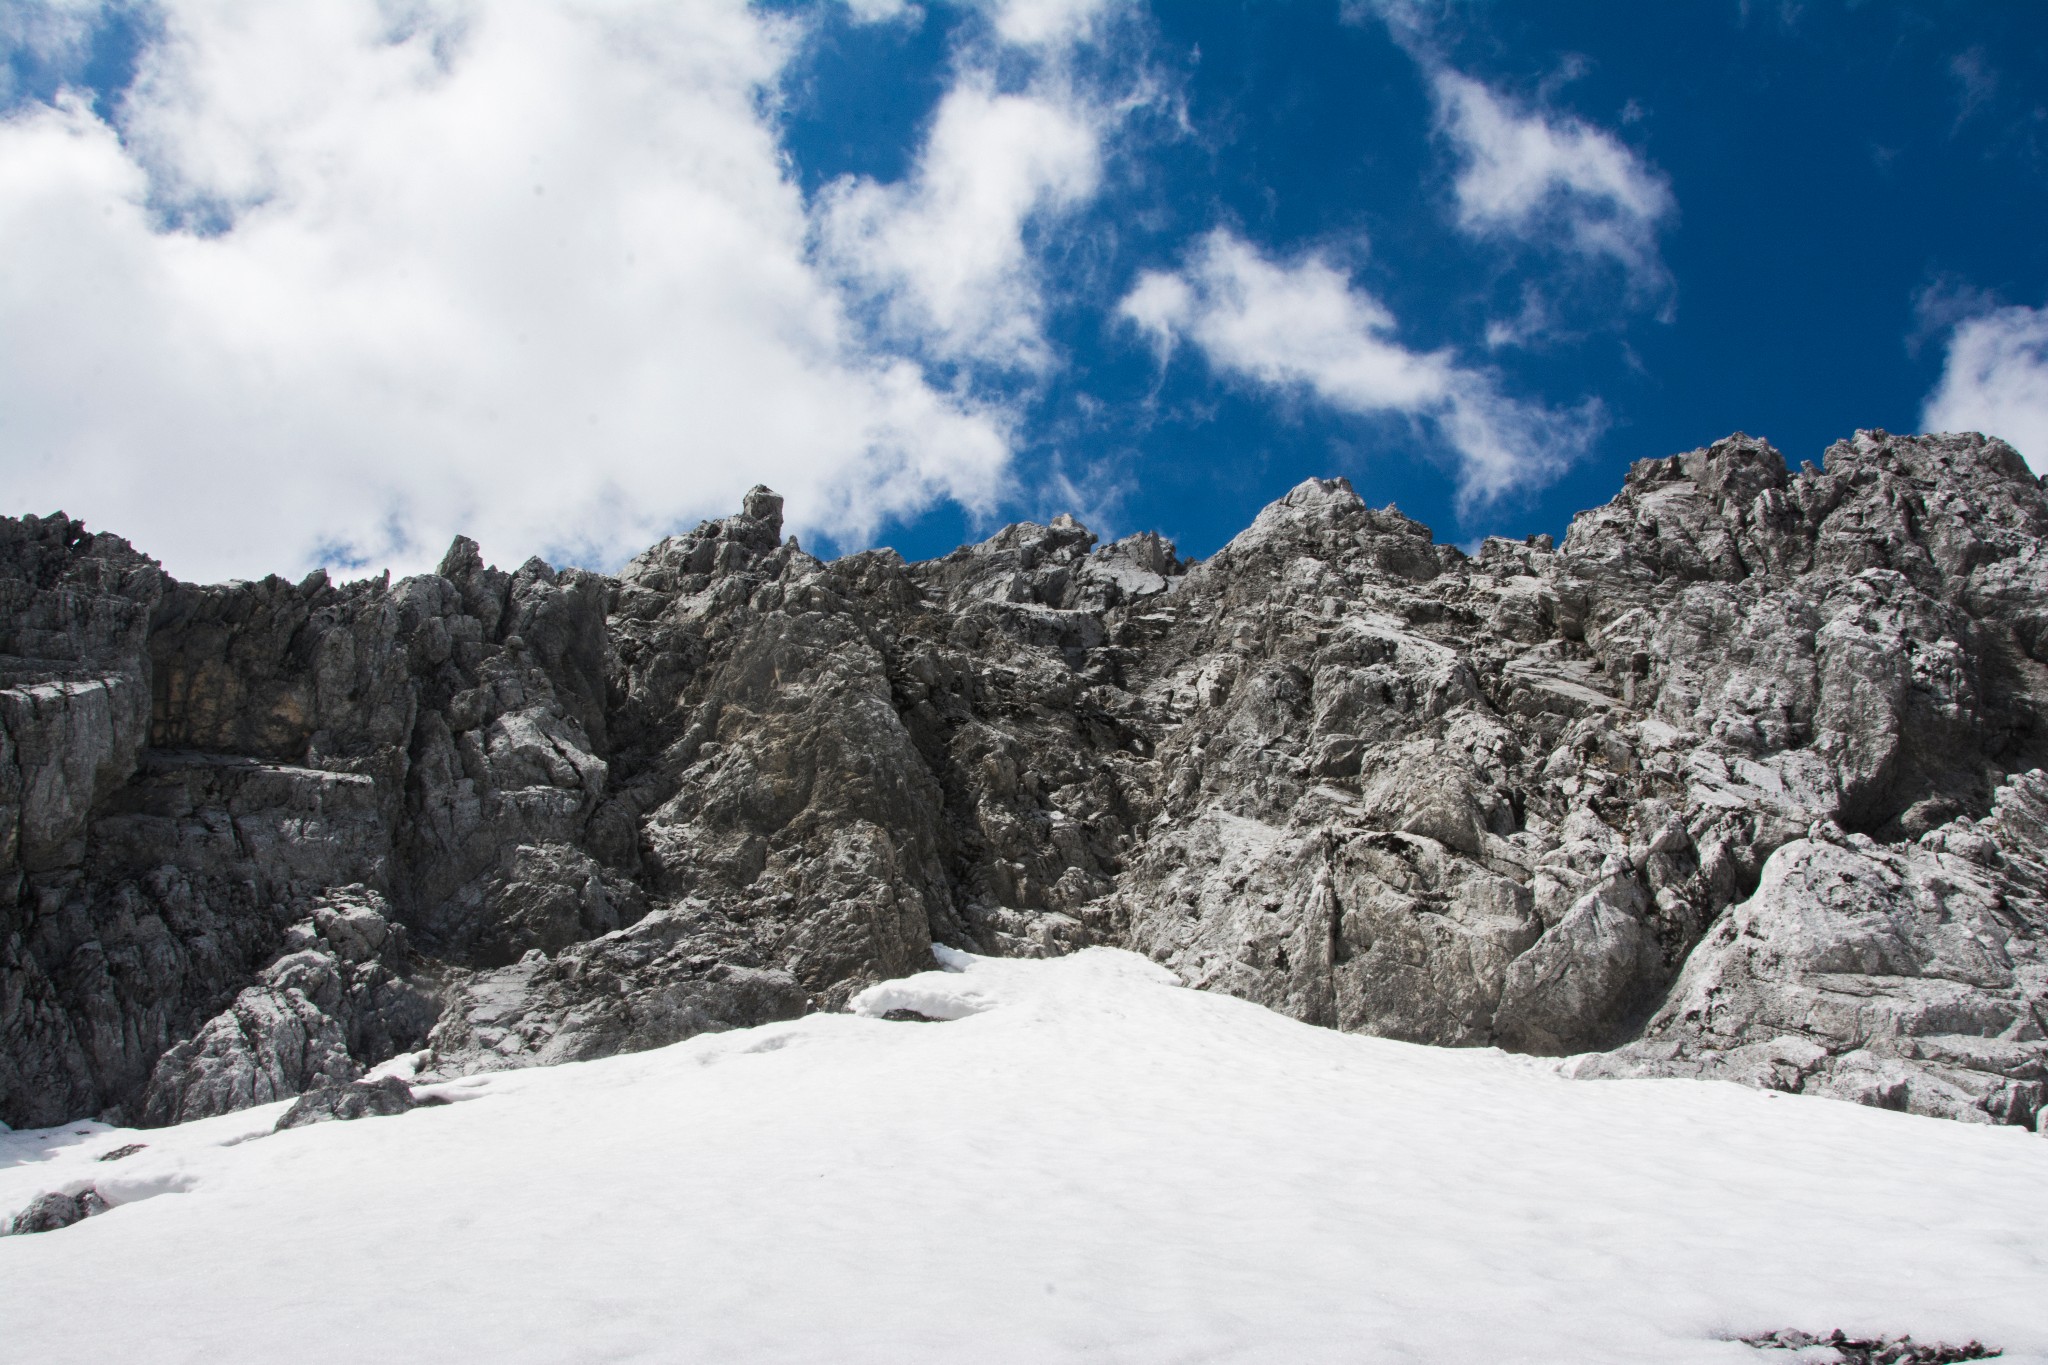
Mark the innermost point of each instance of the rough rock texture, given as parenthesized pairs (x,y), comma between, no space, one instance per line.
(335,995)
(1896,1350)
(52,1211)
(328,1102)
(1903,976)
(1738,781)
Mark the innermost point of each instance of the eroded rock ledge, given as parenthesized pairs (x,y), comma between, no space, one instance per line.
(1741,780)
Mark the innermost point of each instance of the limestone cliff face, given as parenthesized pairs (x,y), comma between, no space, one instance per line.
(1740,780)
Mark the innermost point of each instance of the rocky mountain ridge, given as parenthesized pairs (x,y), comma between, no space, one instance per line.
(1741,780)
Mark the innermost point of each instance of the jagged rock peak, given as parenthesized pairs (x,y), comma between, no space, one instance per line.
(1741,779)
(764,505)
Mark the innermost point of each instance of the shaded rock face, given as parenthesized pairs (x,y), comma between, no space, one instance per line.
(337,996)
(1737,781)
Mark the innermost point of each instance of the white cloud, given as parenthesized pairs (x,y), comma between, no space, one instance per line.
(1048,23)
(883,11)
(364,276)
(1409,20)
(950,259)
(1536,319)
(1301,325)
(1159,305)
(946,250)
(1996,382)
(1526,175)
(1552,180)
(1092,492)
(1976,84)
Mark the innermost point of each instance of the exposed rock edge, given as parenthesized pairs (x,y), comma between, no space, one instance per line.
(1742,780)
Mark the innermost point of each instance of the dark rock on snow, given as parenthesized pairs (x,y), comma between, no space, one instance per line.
(1742,780)
(327,1101)
(52,1211)
(1901,1350)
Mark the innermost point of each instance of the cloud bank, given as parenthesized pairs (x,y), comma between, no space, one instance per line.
(1302,325)
(347,278)
(333,282)
(1995,381)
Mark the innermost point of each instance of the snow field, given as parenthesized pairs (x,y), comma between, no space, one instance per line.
(1086,1162)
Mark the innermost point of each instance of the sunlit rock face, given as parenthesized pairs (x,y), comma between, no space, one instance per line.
(1741,780)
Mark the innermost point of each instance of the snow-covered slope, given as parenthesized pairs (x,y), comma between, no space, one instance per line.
(1084,1162)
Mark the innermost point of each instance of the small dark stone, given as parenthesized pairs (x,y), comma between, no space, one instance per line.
(903,1016)
(129,1150)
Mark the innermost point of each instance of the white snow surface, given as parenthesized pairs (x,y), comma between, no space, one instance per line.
(1086,1163)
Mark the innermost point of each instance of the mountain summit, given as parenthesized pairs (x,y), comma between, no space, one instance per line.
(1741,780)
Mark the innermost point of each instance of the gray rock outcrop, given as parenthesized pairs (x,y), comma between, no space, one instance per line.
(1905,976)
(48,1212)
(336,997)
(329,1102)
(1741,781)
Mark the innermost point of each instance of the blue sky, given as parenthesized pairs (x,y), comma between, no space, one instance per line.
(331,284)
